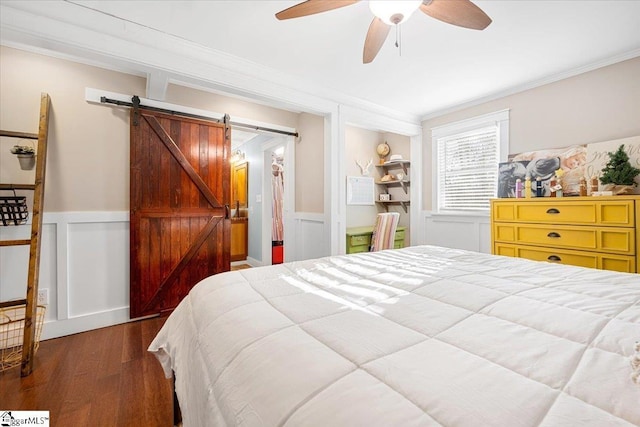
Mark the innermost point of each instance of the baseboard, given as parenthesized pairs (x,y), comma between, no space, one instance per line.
(253,262)
(74,325)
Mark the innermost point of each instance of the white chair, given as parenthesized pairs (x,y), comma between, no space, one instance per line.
(384,232)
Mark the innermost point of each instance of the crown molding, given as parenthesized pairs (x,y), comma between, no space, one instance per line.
(534,84)
(73,32)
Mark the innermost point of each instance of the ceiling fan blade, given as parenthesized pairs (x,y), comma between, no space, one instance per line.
(311,7)
(376,36)
(462,13)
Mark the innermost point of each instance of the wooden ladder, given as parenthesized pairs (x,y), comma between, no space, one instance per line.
(31,301)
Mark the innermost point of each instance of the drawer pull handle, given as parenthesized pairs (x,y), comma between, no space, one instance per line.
(554,258)
(553,235)
(553,211)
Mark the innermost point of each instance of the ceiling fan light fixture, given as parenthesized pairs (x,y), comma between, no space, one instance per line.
(393,12)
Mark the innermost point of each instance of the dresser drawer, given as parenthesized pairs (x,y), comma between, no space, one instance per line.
(361,239)
(566,211)
(604,239)
(565,256)
(357,249)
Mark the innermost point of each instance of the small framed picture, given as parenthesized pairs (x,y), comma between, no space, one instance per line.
(384,197)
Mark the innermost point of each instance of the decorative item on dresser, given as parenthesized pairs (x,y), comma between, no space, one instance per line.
(596,232)
(618,176)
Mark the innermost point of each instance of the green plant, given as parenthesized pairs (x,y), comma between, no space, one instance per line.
(22,149)
(618,170)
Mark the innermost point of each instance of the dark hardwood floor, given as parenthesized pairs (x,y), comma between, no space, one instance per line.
(103,377)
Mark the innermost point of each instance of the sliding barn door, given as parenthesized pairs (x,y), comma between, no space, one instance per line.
(180,227)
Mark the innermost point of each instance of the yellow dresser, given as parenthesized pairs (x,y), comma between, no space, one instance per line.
(596,232)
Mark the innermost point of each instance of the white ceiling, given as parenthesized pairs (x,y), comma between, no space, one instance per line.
(441,65)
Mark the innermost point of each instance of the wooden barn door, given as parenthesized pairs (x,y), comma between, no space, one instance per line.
(180,229)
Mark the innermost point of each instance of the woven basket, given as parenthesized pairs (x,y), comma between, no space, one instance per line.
(13,209)
(12,334)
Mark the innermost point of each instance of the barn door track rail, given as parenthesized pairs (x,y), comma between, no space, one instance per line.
(136,105)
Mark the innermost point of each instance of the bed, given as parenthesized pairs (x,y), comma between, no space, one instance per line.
(419,336)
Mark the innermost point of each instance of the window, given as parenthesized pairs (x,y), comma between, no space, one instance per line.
(466,157)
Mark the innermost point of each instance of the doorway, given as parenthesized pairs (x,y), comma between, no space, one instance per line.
(277,244)
(259,151)
(277,204)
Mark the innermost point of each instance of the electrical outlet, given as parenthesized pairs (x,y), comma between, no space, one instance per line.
(43,296)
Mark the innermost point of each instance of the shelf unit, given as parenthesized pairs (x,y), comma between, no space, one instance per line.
(404,183)
(386,203)
(29,344)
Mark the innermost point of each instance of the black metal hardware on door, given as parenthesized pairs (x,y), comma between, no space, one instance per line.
(553,211)
(227,212)
(553,235)
(554,258)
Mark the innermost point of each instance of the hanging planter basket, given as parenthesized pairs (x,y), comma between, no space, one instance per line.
(26,156)
(27,161)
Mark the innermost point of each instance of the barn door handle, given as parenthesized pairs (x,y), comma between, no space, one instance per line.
(553,235)
(554,258)
(227,212)
(553,211)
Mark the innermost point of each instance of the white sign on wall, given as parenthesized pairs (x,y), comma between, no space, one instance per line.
(360,190)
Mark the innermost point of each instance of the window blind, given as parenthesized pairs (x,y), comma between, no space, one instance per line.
(468,169)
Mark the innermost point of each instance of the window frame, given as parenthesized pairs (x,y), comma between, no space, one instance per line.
(499,119)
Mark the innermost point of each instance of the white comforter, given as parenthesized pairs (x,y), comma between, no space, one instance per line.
(413,337)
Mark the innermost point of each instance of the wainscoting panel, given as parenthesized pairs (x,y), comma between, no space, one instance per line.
(14,265)
(311,237)
(470,232)
(99,254)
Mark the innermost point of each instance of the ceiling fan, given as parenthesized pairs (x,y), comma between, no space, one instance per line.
(462,13)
